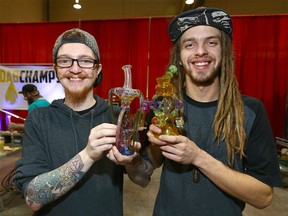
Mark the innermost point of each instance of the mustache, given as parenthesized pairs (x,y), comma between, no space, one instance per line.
(79,76)
(201,58)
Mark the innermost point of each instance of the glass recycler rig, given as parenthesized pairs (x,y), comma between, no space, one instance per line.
(127,121)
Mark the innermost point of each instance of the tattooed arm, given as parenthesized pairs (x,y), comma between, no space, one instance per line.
(48,187)
(138,169)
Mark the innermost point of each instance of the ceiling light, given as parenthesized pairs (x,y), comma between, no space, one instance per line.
(77,5)
(189,2)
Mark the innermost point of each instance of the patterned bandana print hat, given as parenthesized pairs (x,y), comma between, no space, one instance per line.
(214,17)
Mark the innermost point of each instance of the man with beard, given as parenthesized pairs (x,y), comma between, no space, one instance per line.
(226,156)
(70,164)
(34,99)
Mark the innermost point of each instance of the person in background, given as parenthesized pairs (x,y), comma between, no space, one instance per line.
(34,99)
(70,164)
(227,156)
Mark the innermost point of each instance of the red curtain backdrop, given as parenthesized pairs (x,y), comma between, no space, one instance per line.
(260,44)
(261,52)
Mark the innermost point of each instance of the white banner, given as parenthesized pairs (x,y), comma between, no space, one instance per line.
(13,78)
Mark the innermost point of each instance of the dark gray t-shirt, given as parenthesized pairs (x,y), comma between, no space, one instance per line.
(180,195)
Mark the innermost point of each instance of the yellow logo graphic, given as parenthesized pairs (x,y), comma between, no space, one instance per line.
(11,94)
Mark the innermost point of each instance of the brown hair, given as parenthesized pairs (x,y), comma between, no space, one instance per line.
(229,118)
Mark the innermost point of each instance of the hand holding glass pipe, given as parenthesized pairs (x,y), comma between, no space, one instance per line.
(165,105)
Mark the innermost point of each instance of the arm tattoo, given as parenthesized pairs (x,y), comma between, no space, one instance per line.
(48,187)
(140,172)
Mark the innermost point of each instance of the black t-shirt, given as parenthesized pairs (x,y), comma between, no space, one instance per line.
(179,195)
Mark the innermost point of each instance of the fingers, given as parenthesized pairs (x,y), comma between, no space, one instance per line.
(154,140)
(164,139)
(153,135)
(173,139)
(101,140)
(136,146)
(115,156)
(102,134)
(154,129)
(103,130)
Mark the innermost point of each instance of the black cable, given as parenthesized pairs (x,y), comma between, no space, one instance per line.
(7,183)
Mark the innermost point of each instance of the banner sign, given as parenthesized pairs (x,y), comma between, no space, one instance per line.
(13,78)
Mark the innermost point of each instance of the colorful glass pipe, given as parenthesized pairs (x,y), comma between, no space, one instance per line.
(166,105)
(127,122)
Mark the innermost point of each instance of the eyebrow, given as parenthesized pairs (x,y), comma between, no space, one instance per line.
(205,38)
(78,57)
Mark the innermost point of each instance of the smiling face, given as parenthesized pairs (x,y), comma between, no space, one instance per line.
(77,82)
(200,54)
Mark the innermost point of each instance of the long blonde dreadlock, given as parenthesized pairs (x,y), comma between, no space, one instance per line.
(229,118)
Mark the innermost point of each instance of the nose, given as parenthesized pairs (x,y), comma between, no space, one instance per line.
(201,50)
(75,67)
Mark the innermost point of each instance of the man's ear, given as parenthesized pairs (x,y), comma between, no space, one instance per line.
(99,75)
(99,69)
(55,68)
(98,79)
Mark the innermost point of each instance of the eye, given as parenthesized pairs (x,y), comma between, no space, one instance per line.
(212,42)
(63,61)
(189,45)
(86,61)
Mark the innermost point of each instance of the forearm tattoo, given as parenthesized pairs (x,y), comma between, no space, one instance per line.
(50,186)
(140,172)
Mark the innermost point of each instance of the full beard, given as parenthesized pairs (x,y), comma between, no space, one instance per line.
(30,101)
(77,97)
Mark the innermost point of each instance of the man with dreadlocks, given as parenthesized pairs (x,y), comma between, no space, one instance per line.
(227,156)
